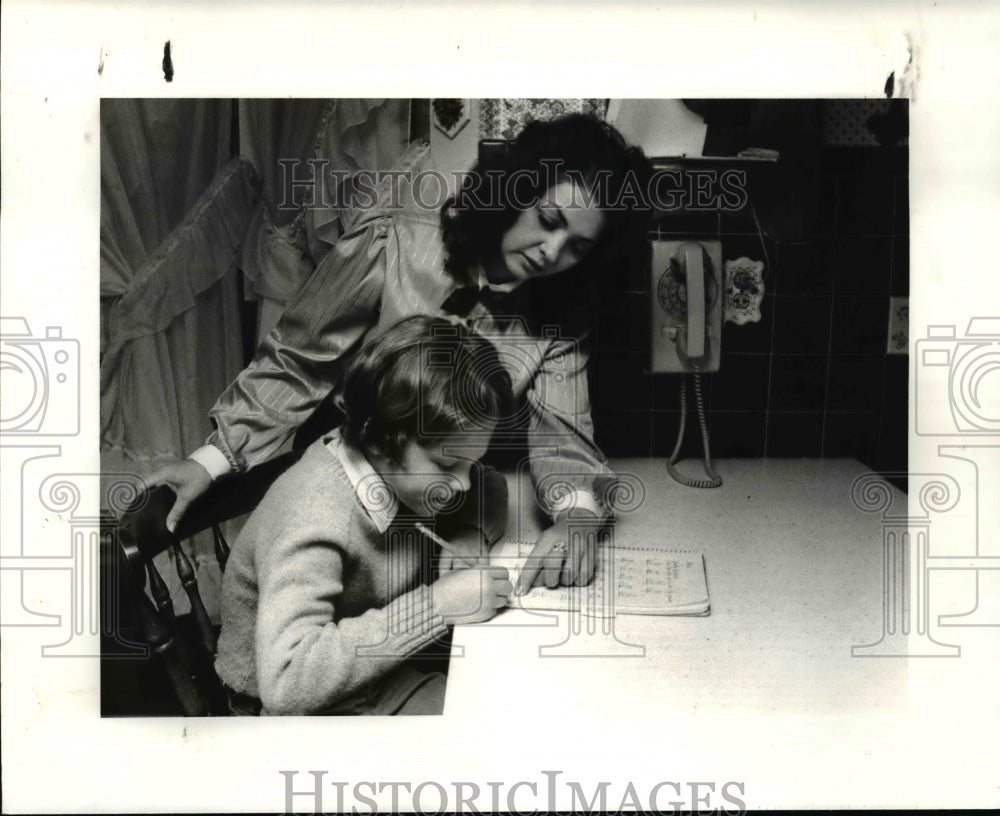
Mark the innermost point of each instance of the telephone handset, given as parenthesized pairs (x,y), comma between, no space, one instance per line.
(687,307)
(692,262)
(687,328)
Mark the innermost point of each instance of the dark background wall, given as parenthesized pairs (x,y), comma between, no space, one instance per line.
(813,378)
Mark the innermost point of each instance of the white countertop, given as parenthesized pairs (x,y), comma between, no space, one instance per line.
(764,691)
(795,579)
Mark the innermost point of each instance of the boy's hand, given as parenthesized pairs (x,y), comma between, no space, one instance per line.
(469,551)
(187,479)
(471,595)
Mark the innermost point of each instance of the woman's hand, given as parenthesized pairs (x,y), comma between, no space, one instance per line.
(469,551)
(187,479)
(471,595)
(565,553)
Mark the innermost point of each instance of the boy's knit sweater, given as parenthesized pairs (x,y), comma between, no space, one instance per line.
(320,597)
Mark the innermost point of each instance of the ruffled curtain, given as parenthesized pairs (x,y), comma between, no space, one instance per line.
(174,208)
(291,229)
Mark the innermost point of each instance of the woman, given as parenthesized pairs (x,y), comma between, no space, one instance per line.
(533,243)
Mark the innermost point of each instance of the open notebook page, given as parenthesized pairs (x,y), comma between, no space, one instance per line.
(629,580)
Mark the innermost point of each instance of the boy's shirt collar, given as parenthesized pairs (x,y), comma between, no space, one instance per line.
(374,495)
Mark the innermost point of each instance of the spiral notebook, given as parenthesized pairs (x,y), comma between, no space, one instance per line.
(629,580)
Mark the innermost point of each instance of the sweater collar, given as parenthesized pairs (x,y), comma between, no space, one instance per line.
(374,495)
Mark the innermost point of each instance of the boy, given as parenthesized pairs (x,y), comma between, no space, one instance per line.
(322,598)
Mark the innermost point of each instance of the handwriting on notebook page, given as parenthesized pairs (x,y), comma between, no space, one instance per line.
(630,579)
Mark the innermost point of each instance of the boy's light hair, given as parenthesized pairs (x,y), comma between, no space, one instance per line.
(425,378)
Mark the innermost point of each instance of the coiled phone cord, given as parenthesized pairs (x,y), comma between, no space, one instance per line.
(714,479)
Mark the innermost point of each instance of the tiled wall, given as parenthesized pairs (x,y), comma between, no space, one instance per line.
(813,377)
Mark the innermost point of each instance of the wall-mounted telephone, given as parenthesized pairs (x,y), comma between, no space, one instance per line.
(687,328)
(687,305)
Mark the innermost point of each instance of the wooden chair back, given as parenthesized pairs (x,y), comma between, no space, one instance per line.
(137,609)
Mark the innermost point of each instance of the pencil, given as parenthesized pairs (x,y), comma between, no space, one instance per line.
(438,540)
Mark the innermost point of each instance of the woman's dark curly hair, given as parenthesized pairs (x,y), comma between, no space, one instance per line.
(503,184)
